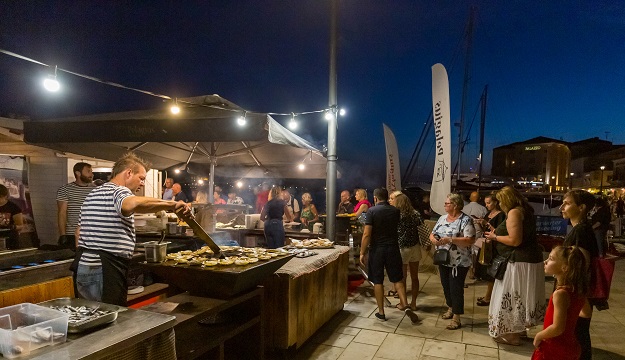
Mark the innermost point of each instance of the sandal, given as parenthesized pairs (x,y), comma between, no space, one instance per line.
(401,308)
(482,302)
(447,315)
(392,293)
(454,325)
(504,341)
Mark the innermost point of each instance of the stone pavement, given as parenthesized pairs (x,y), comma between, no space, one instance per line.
(355,333)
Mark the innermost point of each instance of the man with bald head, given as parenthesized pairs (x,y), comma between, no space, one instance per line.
(474,209)
(179,195)
(345,206)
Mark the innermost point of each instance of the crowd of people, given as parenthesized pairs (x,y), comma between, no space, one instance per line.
(392,245)
(516,274)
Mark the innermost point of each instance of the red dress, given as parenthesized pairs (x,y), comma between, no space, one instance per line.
(564,346)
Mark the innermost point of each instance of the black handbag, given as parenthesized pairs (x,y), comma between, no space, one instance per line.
(497,268)
(441,257)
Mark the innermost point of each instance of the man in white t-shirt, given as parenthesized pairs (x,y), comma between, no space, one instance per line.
(291,203)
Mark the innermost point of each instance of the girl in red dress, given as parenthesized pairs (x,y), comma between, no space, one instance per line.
(569,266)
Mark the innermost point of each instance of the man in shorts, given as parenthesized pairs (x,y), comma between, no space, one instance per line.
(381,240)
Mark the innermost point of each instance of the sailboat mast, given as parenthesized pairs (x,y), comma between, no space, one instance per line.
(482,123)
(465,88)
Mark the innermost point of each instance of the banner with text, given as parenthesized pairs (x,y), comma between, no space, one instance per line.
(393,177)
(441,178)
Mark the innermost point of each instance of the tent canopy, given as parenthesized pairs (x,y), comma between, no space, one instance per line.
(204,133)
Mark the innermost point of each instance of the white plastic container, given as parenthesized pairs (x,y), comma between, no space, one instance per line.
(26,327)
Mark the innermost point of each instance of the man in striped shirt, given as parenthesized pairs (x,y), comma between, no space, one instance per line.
(69,199)
(107,233)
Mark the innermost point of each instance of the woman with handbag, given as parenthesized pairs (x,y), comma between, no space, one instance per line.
(453,236)
(518,299)
(575,207)
(489,223)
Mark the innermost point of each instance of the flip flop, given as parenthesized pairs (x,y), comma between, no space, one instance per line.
(400,308)
(504,341)
(482,302)
(392,293)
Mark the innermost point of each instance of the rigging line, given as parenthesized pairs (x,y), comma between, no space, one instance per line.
(418,147)
(463,143)
(454,56)
(430,125)
(425,162)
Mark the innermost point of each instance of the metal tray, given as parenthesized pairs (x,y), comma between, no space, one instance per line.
(86,325)
(219,281)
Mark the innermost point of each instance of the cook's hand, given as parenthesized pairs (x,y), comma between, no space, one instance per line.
(187,207)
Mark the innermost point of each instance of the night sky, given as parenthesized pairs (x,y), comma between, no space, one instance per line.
(554,68)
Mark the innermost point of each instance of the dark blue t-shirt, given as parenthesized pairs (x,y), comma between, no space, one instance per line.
(384,219)
(274,209)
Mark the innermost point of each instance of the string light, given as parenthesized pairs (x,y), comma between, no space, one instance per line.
(175,109)
(242,120)
(51,83)
(329,115)
(301,166)
(177,171)
(239,184)
(293,123)
(200,182)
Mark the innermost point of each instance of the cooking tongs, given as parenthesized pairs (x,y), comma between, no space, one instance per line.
(200,232)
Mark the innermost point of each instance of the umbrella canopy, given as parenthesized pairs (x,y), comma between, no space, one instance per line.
(205,133)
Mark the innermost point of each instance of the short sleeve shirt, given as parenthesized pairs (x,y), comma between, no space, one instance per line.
(384,220)
(74,195)
(103,227)
(461,227)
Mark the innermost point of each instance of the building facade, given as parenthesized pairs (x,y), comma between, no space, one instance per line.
(541,163)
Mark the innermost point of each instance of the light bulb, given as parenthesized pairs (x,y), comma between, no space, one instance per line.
(292,124)
(201,182)
(301,166)
(177,171)
(329,115)
(342,112)
(241,121)
(175,109)
(51,84)
(239,184)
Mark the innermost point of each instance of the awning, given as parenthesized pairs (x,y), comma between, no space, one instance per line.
(204,133)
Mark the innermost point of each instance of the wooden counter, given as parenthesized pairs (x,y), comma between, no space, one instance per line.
(303,295)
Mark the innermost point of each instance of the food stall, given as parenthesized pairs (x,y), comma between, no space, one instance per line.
(203,136)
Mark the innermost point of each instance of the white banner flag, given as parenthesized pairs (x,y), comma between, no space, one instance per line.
(441,178)
(393,177)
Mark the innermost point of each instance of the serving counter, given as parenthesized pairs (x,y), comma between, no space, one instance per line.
(303,295)
(136,334)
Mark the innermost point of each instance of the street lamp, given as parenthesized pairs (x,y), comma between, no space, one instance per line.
(601,186)
(571,181)
(553,180)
